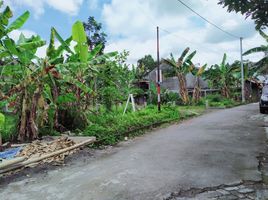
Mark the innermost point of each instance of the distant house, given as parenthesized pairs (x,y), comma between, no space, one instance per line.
(172,83)
(252,89)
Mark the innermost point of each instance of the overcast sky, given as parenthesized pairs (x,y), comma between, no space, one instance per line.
(131,25)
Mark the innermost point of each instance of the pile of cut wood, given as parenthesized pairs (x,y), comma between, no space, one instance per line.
(39,152)
(38,148)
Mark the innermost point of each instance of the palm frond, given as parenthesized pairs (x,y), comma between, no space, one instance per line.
(262,65)
(224,59)
(264,35)
(190,57)
(184,53)
(256,50)
(201,70)
(170,62)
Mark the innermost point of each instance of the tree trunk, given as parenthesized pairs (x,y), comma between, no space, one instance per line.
(196,92)
(183,88)
(22,125)
(55,93)
(28,129)
(225,92)
(33,132)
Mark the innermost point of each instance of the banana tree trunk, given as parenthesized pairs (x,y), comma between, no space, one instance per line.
(55,93)
(183,88)
(22,125)
(225,91)
(197,91)
(28,129)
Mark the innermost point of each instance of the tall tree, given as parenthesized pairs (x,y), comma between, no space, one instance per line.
(183,66)
(95,35)
(256,9)
(146,64)
(222,76)
(197,89)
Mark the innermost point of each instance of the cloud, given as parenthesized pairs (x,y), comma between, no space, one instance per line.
(93,4)
(70,7)
(131,25)
(16,34)
(36,5)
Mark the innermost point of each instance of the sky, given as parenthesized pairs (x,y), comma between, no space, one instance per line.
(131,25)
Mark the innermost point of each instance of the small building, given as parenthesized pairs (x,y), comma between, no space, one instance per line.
(253,89)
(144,85)
(171,82)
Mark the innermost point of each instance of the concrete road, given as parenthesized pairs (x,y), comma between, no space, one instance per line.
(216,148)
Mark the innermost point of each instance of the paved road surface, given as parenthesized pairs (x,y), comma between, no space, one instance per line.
(216,148)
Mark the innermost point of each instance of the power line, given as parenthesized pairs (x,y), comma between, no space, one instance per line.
(194,43)
(178,36)
(219,28)
(152,21)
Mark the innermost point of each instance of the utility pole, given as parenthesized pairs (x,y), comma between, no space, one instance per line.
(158,73)
(242,71)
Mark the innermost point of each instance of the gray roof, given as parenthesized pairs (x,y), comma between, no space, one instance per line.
(172,83)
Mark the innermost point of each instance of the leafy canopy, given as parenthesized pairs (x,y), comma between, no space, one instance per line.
(262,65)
(95,35)
(256,9)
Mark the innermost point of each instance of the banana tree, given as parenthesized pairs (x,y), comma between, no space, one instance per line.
(262,65)
(82,64)
(66,87)
(20,76)
(78,71)
(183,66)
(197,90)
(222,76)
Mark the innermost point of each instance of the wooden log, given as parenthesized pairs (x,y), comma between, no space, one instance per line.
(8,163)
(34,160)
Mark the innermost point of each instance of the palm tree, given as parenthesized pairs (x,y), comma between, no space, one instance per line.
(262,65)
(182,67)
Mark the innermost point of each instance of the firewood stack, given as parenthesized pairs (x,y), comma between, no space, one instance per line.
(39,148)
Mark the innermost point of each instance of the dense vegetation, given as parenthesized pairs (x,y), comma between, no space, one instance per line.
(84,90)
(113,127)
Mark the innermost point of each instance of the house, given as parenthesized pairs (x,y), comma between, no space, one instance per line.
(171,83)
(144,85)
(252,89)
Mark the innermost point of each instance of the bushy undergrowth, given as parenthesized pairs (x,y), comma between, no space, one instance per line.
(217,100)
(113,127)
(9,127)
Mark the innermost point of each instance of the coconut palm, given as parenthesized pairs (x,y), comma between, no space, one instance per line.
(183,66)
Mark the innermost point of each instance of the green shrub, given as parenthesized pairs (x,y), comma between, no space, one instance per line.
(8,128)
(2,121)
(109,128)
(214,98)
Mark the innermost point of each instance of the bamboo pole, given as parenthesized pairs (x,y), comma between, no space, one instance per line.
(34,160)
(7,163)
